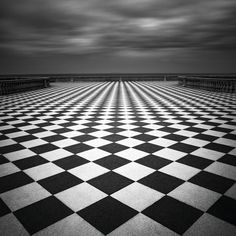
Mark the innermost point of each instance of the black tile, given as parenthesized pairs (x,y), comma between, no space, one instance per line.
(154,162)
(148,147)
(218,147)
(144,137)
(107,214)
(70,162)
(225,209)
(80,147)
(30,162)
(3,208)
(211,181)
(114,137)
(88,130)
(206,137)
(112,162)
(53,138)
(110,182)
(195,161)
(228,159)
(12,148)
(173,214)
(14,181)
(113,147)
(3,160)
(169,130)
(34,131)
(183,147)
(230,136)
(59,182)
(175,137)
(161,182)
(194,129)
(83,138)
(25,138)
(44,148)
(224,130)
(42,214)
(61,130)
(141,130)
(115,130)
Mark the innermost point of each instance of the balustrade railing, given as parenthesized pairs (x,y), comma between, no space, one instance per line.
(9,86)
(212,84)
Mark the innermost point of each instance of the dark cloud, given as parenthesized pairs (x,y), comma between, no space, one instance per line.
(117,27)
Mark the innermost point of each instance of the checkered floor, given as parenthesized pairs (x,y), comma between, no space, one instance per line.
(118,158)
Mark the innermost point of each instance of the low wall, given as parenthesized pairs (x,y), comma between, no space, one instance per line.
(9,86)
(212,84)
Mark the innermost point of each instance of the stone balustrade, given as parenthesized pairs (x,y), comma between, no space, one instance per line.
(8,86)
(212,84)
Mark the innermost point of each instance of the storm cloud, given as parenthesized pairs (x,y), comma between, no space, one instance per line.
(117,27)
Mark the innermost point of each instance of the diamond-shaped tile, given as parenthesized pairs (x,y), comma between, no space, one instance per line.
(114,214)
(134,171)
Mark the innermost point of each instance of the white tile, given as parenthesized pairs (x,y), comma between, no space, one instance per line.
(210,226)
(77,127)
(134,171)
(33,143)
(129,133)
(80,196)
(226,141)
(132,154)
(88,171)
(137,196)
(195,142)
(7,142)
(177,126)
(231,192)
(130,142)
(157,133)
(44,134)
(72,134)
(28,127)
(43,171)
(7,169)
(93,154)
(214,133)
(18,155)
(141,225)
(195,196)
(180,170)
(162,142)
(208,154)
(186,133)
(17,134)
(56,154)
(100,134)
(102,127)
(170,154)
(222,169)
(72,225)
(24,196)
(128,126)
(52,127)
(9,225)
(65,143)
(97,142)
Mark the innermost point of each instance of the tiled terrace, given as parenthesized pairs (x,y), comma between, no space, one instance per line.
(118,158)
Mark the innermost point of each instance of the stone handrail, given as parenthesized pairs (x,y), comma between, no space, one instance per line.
(8,86)
(212,84)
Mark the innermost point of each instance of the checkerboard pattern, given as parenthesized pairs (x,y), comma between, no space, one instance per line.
(118,158)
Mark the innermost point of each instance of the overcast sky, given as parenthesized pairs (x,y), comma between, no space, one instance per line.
(63,36)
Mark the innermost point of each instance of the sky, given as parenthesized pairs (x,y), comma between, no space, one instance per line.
(117,36)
